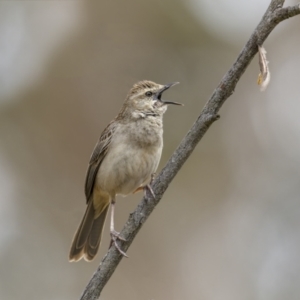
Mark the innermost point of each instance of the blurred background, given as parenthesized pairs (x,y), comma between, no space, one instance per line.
(228,226)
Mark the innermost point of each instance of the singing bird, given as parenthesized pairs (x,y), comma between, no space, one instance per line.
(125,157)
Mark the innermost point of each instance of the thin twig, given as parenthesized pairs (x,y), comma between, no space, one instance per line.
(272,17)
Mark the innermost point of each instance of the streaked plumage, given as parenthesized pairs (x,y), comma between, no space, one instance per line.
(123,160)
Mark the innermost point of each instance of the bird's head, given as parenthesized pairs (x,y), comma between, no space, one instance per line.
(145,99)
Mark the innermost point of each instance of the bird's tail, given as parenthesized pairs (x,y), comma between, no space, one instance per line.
(88,236)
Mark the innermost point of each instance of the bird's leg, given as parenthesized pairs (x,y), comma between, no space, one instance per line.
(152,177)
(143,188)
(113,233)
(147,186)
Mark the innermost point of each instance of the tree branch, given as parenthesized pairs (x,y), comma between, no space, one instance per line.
(272,17)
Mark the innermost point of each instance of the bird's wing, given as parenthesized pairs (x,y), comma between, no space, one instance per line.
(97,157)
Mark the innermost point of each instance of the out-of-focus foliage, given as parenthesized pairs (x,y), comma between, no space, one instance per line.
(228,226)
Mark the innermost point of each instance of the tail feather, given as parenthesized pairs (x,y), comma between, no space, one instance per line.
(85,226)
(93,241)
(87,238)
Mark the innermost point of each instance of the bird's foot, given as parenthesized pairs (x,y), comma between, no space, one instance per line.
(114,237)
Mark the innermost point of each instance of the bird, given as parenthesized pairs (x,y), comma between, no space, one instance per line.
(125,157)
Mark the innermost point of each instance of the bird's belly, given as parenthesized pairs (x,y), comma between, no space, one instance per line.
(124,169)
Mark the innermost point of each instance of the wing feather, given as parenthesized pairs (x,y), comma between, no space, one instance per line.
(97,157)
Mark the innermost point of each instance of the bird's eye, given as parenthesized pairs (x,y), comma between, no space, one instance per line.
(148,94)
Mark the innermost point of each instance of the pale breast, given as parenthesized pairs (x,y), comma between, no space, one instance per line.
(133,156)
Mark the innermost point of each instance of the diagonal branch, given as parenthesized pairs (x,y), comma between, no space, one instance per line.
(274,14)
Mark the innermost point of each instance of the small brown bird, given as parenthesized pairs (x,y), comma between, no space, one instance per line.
(123,160)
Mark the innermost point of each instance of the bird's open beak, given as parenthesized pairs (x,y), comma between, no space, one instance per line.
(166,87)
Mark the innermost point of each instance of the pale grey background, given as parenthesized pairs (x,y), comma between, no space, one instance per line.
(228,226)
